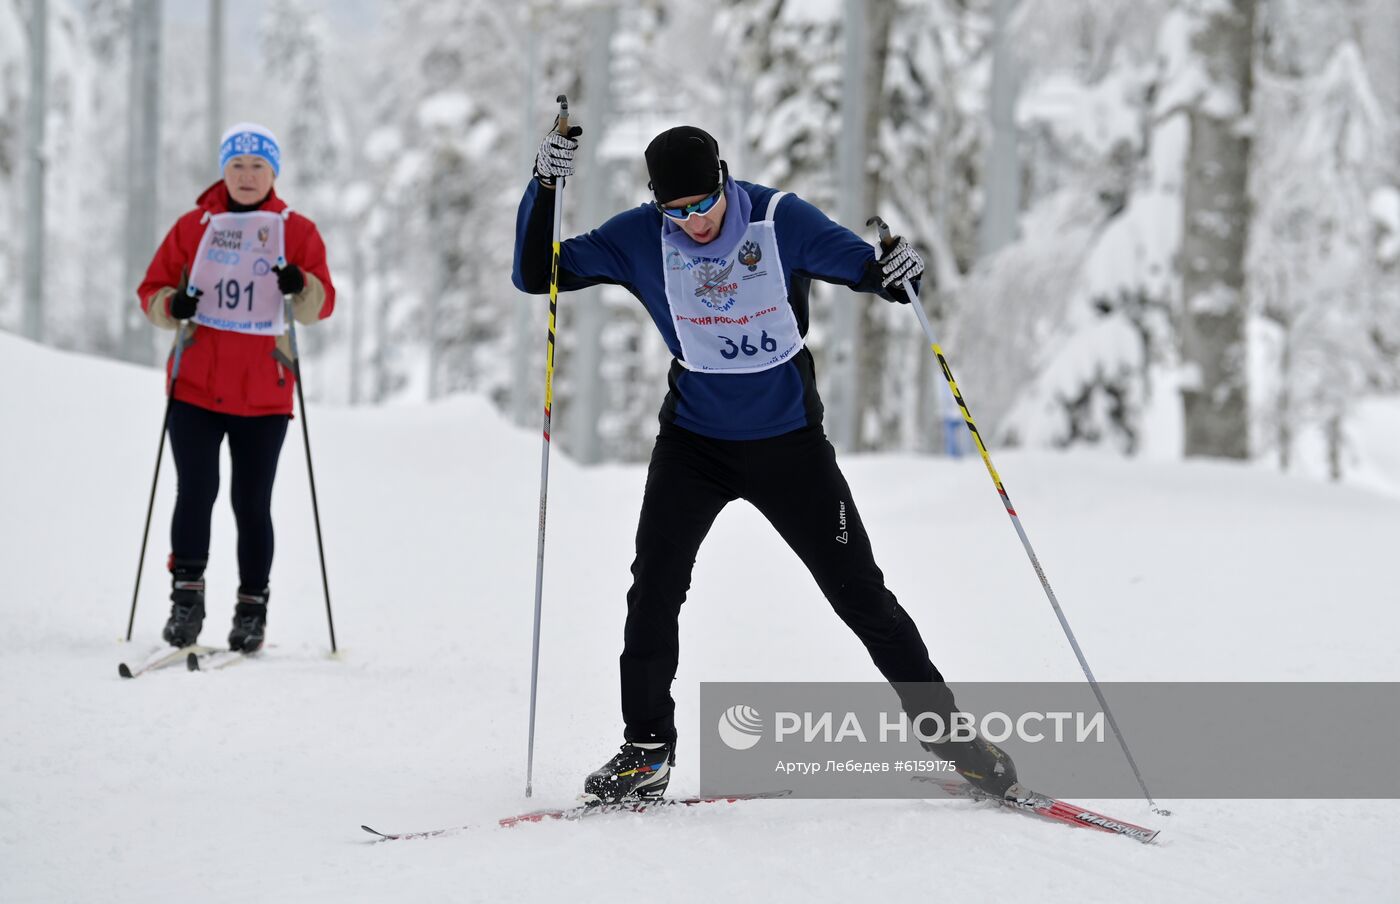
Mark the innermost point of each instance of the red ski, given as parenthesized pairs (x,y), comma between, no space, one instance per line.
(581,811)
(1024,800)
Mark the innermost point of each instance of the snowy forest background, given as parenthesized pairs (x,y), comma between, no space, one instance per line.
(1161,227)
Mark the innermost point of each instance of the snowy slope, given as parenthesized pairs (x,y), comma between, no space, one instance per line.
(250,783)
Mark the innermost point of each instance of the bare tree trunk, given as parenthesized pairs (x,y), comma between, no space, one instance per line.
(1002,172)
(1378,28)
(1215,235)
(524,384)
(357,313)
(34,186)
(432,314)
(216,73)
(875,404)
(380,358)
(1334,446)
(1285,400)
(844,351)
(143,144)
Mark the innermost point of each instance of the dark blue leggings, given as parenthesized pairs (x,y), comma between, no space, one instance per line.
(254,443)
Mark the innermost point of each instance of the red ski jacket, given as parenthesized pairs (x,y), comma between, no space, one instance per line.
(235,373)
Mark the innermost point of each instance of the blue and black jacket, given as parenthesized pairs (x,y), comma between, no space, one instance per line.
(626,251)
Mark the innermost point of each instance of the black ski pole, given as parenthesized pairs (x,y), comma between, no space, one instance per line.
(310,471)
(886,241)
(160,453)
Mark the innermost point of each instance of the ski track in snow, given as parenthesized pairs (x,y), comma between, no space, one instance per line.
(250,783)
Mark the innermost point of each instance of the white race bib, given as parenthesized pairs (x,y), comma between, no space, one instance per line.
(233,268)
(732,313)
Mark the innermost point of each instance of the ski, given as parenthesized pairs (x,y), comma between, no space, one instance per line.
(161,658)
(582,811)
(638,805)
(213,660)
(1024,800)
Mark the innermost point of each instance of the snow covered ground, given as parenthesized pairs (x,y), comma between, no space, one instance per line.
(251,783)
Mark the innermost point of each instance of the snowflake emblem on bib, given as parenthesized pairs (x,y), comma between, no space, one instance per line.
(714,288)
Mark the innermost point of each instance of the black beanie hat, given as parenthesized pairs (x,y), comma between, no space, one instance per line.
(683,161)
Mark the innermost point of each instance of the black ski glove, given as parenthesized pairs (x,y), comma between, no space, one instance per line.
(183,303)
(900,262)
(556,155)
(290,279)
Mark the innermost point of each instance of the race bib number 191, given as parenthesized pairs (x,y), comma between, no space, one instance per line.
(233,268)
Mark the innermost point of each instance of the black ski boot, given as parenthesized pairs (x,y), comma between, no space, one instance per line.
(981,763)
(638,770)
(186,602)
(249,622)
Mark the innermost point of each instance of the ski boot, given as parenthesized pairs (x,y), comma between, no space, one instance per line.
(640,769)
(186,602)
(981,763)
(249,622)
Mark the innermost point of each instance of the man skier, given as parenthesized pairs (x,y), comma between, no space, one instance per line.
(724,269)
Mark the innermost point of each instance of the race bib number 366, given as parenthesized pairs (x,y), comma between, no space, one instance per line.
(233,268)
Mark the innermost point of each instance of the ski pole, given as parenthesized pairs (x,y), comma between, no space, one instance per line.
(886,240)
(310,471)
(160,453)
(562,127)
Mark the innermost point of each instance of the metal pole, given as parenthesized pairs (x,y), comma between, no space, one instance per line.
(563,129)
(886,241)
(34,186)
(310,471)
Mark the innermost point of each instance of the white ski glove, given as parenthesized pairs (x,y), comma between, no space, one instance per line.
(899,263)
(556,155)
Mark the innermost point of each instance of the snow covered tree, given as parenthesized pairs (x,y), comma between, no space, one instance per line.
(933,136)
(1065,335)
(83,305)
(101,115)
(295,41)
(1099,365)
(1316,269)
(1083,328)
(442,104)
(921,147)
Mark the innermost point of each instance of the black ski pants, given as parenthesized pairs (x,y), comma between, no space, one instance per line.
(254,444)
(795,482)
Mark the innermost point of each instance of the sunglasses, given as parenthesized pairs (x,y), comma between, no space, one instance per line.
(701,207)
